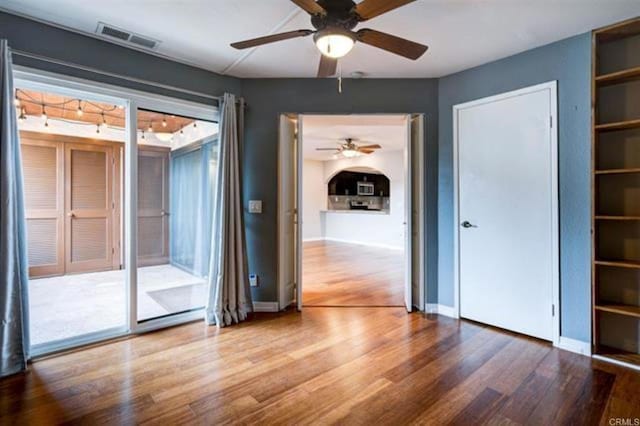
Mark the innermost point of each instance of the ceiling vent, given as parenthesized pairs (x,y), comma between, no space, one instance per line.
(128,37)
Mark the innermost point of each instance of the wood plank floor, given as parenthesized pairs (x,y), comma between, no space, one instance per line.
(323,366)
(340,274)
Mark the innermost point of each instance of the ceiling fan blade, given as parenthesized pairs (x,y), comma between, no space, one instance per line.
(368,9)
(310,6)
(366,151)
(327,66)
(270,39)
(390,43)
(374,146)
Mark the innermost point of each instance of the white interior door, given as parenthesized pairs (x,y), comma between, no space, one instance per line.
(287,194)
(508,255)
(417,265)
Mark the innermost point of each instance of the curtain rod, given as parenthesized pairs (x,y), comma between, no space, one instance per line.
(114,75)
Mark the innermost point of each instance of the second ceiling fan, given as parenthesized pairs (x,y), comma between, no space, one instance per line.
(334,21)
(350,149)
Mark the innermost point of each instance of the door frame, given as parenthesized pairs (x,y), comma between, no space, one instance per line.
(552,87)
(421,304)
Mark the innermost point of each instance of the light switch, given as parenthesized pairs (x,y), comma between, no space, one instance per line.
(253,280)
(255,206)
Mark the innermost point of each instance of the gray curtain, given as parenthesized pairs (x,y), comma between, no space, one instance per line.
(14,339)
(229,296)
(193,180)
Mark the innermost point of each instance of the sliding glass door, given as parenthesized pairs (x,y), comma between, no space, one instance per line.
(177,166)
(107,169)
(71,146)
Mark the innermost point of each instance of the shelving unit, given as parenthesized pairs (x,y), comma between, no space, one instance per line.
(616,193)
(618,77)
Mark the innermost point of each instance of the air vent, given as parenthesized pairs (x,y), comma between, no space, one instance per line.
(112,32)
(128,37)
(144,42)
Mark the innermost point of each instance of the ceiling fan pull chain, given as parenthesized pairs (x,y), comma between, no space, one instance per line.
(339,77)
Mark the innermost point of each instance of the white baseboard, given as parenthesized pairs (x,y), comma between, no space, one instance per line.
(308,240)
(573,345)
(447,311)
(362,243)
(265,307)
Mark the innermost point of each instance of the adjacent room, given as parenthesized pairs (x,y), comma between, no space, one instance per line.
(354,210)
(320,212)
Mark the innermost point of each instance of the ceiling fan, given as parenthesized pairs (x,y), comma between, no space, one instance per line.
(350,149)
(334,21)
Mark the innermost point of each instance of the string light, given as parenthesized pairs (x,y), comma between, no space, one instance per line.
(21,98)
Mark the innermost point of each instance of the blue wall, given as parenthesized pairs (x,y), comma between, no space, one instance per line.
(569,62)
(269,97)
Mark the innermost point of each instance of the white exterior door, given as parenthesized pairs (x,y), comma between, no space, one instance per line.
(507,210)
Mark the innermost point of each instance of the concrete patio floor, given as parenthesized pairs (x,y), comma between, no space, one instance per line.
(73,305)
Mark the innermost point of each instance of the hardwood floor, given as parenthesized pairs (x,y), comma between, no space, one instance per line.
(323,366)
(340,274)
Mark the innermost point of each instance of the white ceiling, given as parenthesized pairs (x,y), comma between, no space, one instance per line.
(327,131)
(461,33)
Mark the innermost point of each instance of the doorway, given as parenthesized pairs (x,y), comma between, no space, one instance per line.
(351,222)
(506,233)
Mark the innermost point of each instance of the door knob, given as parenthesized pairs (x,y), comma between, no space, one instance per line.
(467,224)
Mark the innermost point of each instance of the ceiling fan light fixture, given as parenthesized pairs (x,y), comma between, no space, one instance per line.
(349,153)
(334,43)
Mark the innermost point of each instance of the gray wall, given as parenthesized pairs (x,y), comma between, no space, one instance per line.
(37,38)
(267,98)
(569,62)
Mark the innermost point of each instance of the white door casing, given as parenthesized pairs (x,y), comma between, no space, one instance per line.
(506,218)
(298,209)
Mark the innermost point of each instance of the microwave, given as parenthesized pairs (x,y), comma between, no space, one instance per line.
(365,188)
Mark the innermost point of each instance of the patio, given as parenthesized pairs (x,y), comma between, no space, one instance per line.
(72,305)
